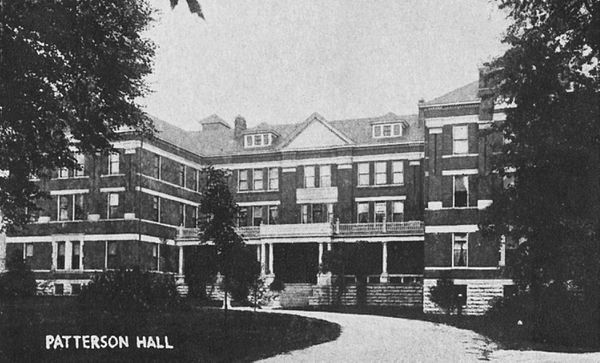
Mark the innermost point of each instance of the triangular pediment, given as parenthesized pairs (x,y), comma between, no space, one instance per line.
(316,133)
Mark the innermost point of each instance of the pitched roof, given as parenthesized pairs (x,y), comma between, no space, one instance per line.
(466,93)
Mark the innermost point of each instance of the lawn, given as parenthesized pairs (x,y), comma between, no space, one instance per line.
(507,334)
(197,334)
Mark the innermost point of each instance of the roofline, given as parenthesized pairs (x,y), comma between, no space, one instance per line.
(425,105)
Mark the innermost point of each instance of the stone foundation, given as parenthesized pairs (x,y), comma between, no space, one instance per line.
(406,295)
(69,287)
(480,295)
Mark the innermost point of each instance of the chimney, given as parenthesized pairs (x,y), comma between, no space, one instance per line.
(421,116)
(239,126)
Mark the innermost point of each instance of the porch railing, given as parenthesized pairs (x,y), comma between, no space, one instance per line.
(410,227)
(392,278)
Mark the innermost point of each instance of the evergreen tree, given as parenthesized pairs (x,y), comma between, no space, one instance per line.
(549,77)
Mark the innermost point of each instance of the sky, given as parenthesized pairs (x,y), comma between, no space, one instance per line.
(278,61)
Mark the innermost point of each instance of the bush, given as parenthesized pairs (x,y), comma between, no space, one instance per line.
(277,285)
(443,294)
(560,318)
(130,290)
(18,280)
(244,272)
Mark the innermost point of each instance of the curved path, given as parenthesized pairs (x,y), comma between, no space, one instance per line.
(369,338)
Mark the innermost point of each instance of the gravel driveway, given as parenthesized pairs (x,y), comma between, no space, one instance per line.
(368,338)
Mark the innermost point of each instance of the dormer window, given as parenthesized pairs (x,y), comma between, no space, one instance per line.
(258,140)
(387,130)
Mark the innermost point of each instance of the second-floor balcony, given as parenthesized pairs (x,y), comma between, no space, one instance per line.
(409,228)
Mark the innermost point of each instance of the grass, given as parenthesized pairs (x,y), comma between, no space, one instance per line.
(507,334)
(197,334)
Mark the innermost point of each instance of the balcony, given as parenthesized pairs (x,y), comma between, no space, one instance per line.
(392,228)
(409,228)
(296,230)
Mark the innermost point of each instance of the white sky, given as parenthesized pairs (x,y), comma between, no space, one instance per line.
(279,61)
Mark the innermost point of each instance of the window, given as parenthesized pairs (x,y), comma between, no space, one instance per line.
(380,173)
(243,180)
(194,181)
(257,175)
(80,171)
(75,289)
(317,213)
(156,167)
(75,255)
(60,255)
(397,211)
(63,173)
(59,289)
(156,209)
(258,140)
(309,176)
(460,250)
(460,295)
(380,212)
(112,254)
(28,250)
(257,215)
(155,256)
(182,175)
(64,207)
(363,174)
(273,179)
(243,217)
(273,215)
(78,207)
(461,191)
(325,176)
(398,172)
(460,139)
(113,205)
(305,215)
(387,130)
(508,181)
(113,163)
(362,212)
(181,214)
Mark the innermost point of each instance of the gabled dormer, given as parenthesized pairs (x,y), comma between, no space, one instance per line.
(259,139)
(388,126)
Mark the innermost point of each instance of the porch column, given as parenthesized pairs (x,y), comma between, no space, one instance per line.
(384,274)
(320,253)
(180,269)
(271,258)
(263,255)
(328,246)
(2,245)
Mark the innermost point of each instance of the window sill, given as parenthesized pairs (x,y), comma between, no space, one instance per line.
(169,183)
(69,178)
(109,175)
(257,191)
(466,155)
(380,185)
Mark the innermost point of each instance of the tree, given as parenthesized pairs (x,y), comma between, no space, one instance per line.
(18,280)
(550,77)
(70,74)
(238,267)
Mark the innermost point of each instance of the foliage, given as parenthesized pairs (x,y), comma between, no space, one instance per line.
(128,290)
(70,74)
(200,269)
(562,320)
(550,77)
(18,280)
(235,262)
(277,285)
(443,294)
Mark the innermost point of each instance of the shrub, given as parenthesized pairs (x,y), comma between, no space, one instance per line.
(443,294)
(244,272)
(277,285)
(560,318)
(18,280)
(130,290)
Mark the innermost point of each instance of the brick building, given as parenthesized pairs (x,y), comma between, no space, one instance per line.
(411,187)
